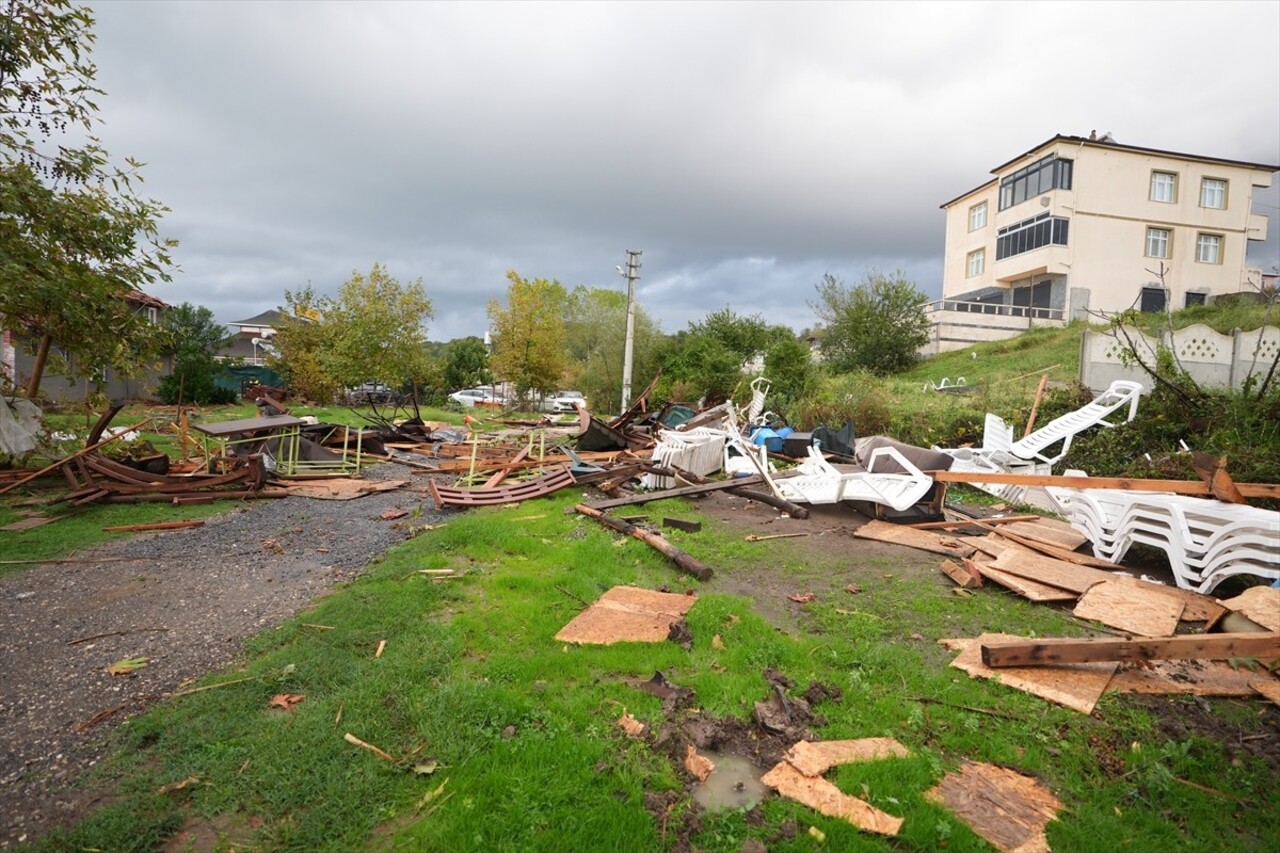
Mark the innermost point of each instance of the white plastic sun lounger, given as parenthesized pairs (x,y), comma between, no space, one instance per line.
(1120,395)
(699,451)
(822,483)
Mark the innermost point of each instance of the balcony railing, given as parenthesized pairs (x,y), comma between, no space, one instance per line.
(994,308)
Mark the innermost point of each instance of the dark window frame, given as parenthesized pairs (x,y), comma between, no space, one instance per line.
(1031,234)
(1048,173)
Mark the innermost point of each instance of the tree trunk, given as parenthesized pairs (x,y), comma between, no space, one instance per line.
(37,372)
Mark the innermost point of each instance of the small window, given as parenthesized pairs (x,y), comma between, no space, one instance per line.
(978,216)
(1163,187)
(1194,299)
(1158,242)
(1152,300)
(977,263)
(1209,249)
(1213,193)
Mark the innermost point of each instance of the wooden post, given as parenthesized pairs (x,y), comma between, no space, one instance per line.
(1035,407)
(37,372)
(684,561)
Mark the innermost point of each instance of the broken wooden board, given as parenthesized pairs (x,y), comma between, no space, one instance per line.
(1270,689)
(1260,604)
(1050,531)
(1197,677)
(883,531)
(1029,589)
(1142,608)
(819,794)
(342,488)
(1078,650)
(1077,686)
(1009,810)
(557,478)
(1048,570)
(813,758)
(1197,607)
(960,574)
(627,614)
(29,522)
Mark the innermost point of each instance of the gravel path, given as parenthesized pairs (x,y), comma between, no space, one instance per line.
(184,599)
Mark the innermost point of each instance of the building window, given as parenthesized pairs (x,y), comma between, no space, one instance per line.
(1031,234)
(1051,173)
(978,216)
(153,315)
(977,262)
(1152,299)
(1164,186)
(1192,299)
(1158,242)
(1213,193)
(1209,248)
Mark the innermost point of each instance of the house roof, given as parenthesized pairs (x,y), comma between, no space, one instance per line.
(266,318)
(1099,143)
(137,297)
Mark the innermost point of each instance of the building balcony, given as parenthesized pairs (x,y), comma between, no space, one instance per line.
(955,324)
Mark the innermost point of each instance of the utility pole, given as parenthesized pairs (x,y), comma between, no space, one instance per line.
(632,273)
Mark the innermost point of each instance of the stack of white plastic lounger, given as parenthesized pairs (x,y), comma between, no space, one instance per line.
(1206,540)
(1031,455)
(699,451)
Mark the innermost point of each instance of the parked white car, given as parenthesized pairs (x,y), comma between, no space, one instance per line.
(567,401)
(468,397)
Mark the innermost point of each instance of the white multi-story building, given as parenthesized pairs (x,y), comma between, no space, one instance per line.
(1085,225)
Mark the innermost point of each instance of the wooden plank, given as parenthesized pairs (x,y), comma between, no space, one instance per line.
(883,531)
(1050,571)
(1141,608)
(1077,686)
(685,491)
(967,522)
(627,614)
(684,561)
(1270,688)
(159,525)
(1184,647)
(1053,551)
(1259,603)
(1024,587)
(1050,531)
(960,574)
(1197,607)
(1179,487)
(819,794)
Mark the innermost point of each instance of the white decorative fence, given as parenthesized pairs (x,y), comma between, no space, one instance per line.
(1213,360)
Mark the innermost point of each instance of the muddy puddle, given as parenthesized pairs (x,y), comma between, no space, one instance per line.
(733,784)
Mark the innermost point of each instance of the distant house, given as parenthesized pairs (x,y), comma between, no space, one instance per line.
(1080,226)
(252,338)
(17,361)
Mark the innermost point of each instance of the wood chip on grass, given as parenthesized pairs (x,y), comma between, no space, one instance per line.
(1007,809)
(627,614)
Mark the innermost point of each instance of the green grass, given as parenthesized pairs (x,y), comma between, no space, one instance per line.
(521,728)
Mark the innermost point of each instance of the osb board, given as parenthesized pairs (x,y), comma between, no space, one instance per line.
(817,793)
(1048,570)
(883,531)
(1259,603)
(1269,688)
(1077,686)
(1198,677)
(1048,530)
(1197,607)
(627,614)
(813,758)
(1007,809)
(1033,590)
(995,546)
(342,488)
(1141,608)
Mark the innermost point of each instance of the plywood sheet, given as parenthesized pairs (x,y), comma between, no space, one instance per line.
(627,614)
(1048,570)
(1077,686)
(883,531)
(1270,688)
(1197,607)
(1259,603)
(1007,809)
(816,758)
(1033,590)
(819,794)
(342,488)
(1141,608)
(1198,677)
(1048,530)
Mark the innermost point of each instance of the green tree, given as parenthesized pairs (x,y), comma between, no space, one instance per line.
(745,336)
(466,363)
(878,324)
(595,326)
(374,330)
(194,339)
(75,238)
(529,334)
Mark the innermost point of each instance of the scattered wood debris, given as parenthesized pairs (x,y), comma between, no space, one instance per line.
(627,614)
(698,766)
(1007,809)
(1077,686)
(883,531)
(1141,608)
(1260,604)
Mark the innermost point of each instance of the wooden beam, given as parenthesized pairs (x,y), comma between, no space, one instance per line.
(78,454)
(966,522)
(1185,647)
(719,486)
(1180,487)
(684,561)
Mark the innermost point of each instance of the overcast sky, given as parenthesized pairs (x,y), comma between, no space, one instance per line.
(746,148)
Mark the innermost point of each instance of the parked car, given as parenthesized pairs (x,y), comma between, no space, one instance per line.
(567,401)
(468,397)
(371,392)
